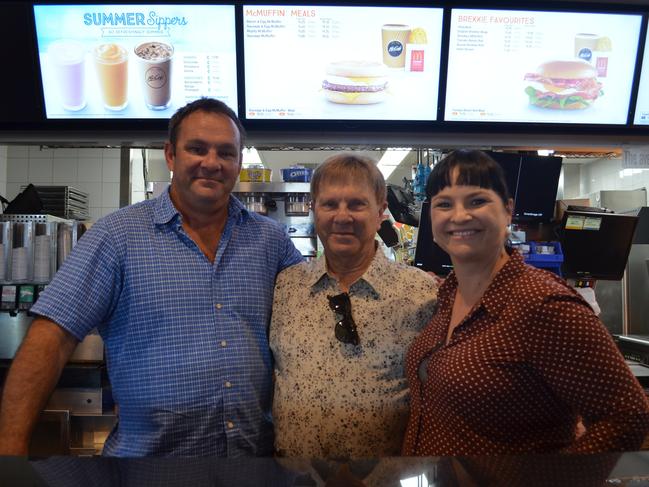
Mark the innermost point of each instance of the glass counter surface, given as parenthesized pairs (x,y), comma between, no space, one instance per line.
(615,469)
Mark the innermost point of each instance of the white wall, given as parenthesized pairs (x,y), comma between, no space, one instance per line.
(93,171)
(601,175)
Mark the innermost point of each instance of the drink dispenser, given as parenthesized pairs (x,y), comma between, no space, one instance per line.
(45,255)
(6,244)
(297,204)
(22,252)
(255,202)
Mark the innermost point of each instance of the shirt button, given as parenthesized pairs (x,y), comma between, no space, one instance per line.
(223,343)
(228,383)
(219,305)
(230,425)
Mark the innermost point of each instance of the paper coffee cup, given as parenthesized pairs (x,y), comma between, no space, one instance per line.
(585,44)
(394,39)
(155,59)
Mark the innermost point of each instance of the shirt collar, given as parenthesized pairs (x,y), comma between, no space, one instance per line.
(492,298)
(164,210)
(374,275)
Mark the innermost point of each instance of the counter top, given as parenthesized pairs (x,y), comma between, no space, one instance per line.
(625,470)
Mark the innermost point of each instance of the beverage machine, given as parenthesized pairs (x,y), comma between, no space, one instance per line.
(289,203)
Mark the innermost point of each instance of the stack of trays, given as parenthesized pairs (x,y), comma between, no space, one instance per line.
(64,202)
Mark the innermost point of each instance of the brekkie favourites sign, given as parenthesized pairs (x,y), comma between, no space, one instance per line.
(525,66)
(134,61)
(345,63)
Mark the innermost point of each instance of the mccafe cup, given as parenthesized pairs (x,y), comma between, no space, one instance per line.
(67,61)
(155,59)
(394,39)
(111,62)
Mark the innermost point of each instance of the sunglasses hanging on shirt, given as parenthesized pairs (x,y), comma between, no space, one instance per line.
(345,328)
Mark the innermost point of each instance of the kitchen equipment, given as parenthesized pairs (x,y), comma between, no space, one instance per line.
(286,203)
(297,204)
(255,202)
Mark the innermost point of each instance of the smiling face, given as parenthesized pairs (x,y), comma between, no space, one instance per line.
(469,222)
(205,161)
(347,217)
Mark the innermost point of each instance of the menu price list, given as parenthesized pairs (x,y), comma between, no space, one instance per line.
(202,76)
(510,38)
(297,23)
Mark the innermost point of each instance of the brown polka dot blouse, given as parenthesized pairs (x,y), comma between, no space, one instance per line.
(526,362)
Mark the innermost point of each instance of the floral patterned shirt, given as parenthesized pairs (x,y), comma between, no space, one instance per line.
(338,400)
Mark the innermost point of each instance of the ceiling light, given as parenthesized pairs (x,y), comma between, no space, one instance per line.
(392,157)
(251,157)
(545,152)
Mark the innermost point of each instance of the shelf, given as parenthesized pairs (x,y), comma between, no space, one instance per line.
(277,187)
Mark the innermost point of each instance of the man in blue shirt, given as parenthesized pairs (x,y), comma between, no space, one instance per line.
(180,289)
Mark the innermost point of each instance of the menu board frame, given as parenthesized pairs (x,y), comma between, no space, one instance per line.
(29,118)
(549,105)
(337,55)
(131,61)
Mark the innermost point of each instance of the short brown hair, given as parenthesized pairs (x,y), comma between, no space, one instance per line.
(347,167)
(475,168)
(209,105)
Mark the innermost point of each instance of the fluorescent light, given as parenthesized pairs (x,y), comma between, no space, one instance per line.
(418,481)
(544,152)
(250,157)
(392,157)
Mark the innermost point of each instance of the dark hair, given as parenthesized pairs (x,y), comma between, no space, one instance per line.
(345,167)
(209,105)
(475,168)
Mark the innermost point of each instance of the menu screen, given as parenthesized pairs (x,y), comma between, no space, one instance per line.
(642,105)
(548,67)
(345,63)
(134,61)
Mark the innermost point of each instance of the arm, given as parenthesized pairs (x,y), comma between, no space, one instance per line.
(30,381)
(577,357)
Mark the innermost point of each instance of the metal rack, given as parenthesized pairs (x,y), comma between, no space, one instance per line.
(64,202)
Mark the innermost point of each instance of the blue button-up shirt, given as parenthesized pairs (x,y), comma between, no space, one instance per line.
(186,339)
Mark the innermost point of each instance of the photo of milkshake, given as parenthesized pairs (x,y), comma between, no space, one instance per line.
(67,61)
(155,59)
(111,61)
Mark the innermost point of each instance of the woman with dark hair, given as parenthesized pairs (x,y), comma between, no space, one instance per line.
(513,357)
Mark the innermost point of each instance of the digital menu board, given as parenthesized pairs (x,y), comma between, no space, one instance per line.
(641,116)
(341,63)
(547,67)
(134,61)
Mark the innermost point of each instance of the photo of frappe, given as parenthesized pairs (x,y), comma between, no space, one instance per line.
(393,39)
(67,61)
(111,61)
(155,60)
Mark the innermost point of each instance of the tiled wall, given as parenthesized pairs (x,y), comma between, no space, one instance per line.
(94,171)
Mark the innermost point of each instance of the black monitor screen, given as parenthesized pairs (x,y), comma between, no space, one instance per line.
(596,245)
(428,255)
(537,188)
(511,164)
